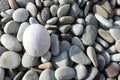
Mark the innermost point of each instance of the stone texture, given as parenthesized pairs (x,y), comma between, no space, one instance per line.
(46,65)
(47,57)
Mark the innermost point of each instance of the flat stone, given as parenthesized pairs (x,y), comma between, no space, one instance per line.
(81,72)
(63,10)
(21,30)
(106,55)
(104,21)
(46,65)
(99,10)
(13,4)
(23,3)
(112,69)
(78,56)
(32,9)
(54,9)
(60,60)
(11,27)
(7,78)
(64,73)
(65,46)
(30,75)
(115,31)
(39,18)
(77,29)
(91,20)
(64,28)
(47,3)
(33,20)
(10,12)
(10,42)
(115,57)
(10,60)
(55,45)
(92,55)
(47,74)
(105,35)
(39,44)
(89,35)
(117,12)
(46,57)
(4,5)
(67,19)
(112,49)
(28,61)
(78,42)
(20,15)
(2,73)
(52,20)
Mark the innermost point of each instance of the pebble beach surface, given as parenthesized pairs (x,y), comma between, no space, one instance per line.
(59,39)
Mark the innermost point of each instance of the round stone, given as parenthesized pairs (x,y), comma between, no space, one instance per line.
(117,45)
(23,3)
(10,60)
(2,49)
(65,46)
(20,15)
(64,73)
(4,5)
(115,57)
(54,9)
(36,40)
(67,19)
(10,42)
(64,28)
(52,20)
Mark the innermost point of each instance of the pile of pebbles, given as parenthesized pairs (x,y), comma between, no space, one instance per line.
(59,39)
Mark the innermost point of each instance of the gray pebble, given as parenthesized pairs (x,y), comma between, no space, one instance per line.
(55,45)
(46,57)
(87,8)
(115,57)
(63,10)
(30,75)
(4,14)
(10,42)
(38,3)
(20,15)
(104,21)
(89,35)
(78,56)
(2,73)
(112,49)
(92,55)
(106,56)
(32,9)
(62,2)
(23,3)
(47,74)
(11,27)
(91,20)
(64,73)
(65,46)
(10,60)
(66,20)
(52,20)
(53,10)
(47,3)
(28,61)
(81,72)
(60,60)
(4,5)
(80,21)
(64,28)
(21,30)
(78,42)
(77,29)
(10,12)
(32,20)
(98,47)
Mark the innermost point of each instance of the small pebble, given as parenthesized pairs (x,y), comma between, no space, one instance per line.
(66,19)
(106,55)
(47,57)
(46,65)
(64,28)
(53,10)
(112,49)
(13,4)
(65,46)
(115,57)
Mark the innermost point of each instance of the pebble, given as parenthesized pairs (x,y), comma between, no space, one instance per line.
(81,72)
(10,12)
(91,20)
(20,15)
(65,46)
(53,10)
(80,21)
(92,55)
(30,75)
(45,14)
(10,42)
(11,27)
(39,44)
(89,35)
(78,42)
(55,45)
(117,11)
(47,57)
(92,73)
(64,73)
(62,2)
(2,73)
(28,61)
(118,2)
(115,57)
(2,49)
(23,3)
(52,21)
(66,19)
(32,20)
(47,74)
(112,49)
(19,75)
(98,47)
(47,3)
(87,8)
(64,28)
(77,29)
(63,10)
(112,69)
(117,45)
(32,9)
(38,3)
(75,10)
(21,30)
(99,10)
(105,35)
(10,60)
(60,60)
(78,56)
(46,65)
(13,4)
(115,31)
(101,61)
(117,23)
(106,55)
(104,21)
(40,19)
(4,5)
